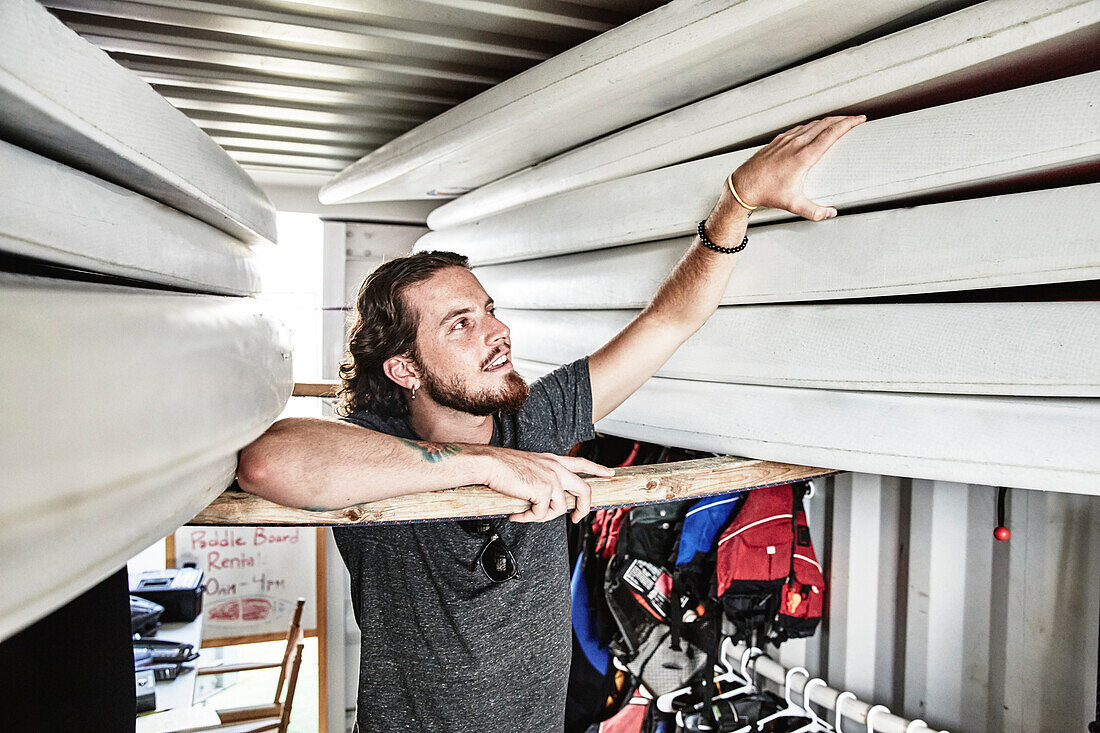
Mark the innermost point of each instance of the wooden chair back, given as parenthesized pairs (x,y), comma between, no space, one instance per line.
(291,686)
(294,637)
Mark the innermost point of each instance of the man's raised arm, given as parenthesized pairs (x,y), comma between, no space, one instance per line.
(327,464)
(771,178)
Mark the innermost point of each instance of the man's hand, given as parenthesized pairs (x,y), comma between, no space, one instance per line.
(542,479)
(774,175)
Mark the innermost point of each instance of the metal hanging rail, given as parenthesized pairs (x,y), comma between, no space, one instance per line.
(852,708)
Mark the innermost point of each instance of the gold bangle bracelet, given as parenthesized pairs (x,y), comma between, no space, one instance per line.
(729,182)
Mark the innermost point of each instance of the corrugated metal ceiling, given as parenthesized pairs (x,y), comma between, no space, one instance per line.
(309,86)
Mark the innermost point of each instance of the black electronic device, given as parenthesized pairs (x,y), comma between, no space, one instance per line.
(144,616)
(166,671)
(145,684)
(164,651)
(179,590)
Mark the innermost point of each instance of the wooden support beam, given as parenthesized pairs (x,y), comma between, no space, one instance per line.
(316,389)
(628,487)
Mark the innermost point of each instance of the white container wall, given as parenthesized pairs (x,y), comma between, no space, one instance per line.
(351,251)
(933,617)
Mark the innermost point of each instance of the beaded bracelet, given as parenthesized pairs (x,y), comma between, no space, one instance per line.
(711,245)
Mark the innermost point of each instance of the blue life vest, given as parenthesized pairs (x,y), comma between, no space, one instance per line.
(703,522)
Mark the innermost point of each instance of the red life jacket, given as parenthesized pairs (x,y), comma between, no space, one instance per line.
(802,601)
(769,580)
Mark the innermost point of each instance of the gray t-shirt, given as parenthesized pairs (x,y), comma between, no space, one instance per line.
(444,648)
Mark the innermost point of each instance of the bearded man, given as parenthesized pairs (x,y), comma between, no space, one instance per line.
(466,625)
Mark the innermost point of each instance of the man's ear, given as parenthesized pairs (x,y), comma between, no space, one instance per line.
(402,371)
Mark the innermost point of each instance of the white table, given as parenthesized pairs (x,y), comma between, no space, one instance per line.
(180,692)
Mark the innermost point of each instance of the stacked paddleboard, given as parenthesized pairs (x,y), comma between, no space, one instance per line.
(135,365)
(943,326)
(676,54)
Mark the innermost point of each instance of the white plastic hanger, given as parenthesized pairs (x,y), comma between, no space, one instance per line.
(836,708)
(664,702)
(816,723)
(791,710)
(871,716)
(750,685)
(809,495)
(749,688)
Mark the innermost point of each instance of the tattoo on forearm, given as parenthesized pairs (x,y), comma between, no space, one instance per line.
(430,452)
(433,452)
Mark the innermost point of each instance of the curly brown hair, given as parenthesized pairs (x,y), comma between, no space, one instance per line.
(385,326)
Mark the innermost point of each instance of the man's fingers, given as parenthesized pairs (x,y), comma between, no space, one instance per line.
(557,505)
(808,209)
(811,130)
(794,131)
(830,133)
(540,504)
(583,465)
(579,488)
(808,147)
(575,485)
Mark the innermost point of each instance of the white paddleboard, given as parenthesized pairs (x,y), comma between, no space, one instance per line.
(676,54)
(1028,442)
(1035,349)
(64,98)
(54,553)
(63,216)
(959,245)
(957,51)
(123,412)
(941,150)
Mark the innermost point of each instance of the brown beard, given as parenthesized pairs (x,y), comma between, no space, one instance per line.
(454,394)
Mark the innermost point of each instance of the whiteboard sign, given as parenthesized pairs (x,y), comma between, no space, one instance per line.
(254,577)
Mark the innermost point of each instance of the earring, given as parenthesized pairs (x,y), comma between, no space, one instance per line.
(414,393)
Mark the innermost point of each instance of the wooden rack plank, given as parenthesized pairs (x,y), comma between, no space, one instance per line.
(933,151)
(629,486)
(950,52)
(958,245)
(315,389)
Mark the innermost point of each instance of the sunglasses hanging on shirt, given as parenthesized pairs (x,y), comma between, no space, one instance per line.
(495,558)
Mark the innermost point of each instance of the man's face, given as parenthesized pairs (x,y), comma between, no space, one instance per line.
(465,353)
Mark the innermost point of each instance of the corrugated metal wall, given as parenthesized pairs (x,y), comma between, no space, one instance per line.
(931,616)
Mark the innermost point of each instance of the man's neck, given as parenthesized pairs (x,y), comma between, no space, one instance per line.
(439,424)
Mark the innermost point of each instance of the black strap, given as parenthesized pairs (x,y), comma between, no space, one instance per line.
(798,491)
(675,611)
(708,678)
(1094,726)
